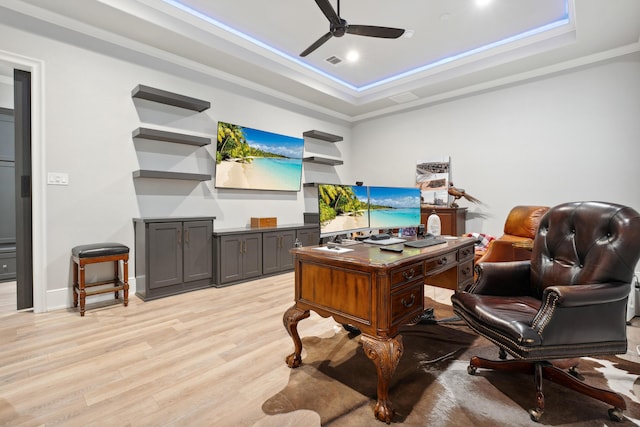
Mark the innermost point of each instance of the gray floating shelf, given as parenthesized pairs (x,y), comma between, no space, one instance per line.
(324,136)
(169,98)
(322,160)
(162,135)
(144,173)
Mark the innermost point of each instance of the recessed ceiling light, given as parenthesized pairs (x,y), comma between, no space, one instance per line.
(482,3)
(353,56)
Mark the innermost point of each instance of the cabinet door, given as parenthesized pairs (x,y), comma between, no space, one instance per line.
(231,248)
(197,250)
(287,241)
(165,254)
(7,203)
(275,251)
(308,236)
(270,251)
(252,255)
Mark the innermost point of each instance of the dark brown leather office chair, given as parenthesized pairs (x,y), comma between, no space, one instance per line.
(568,301)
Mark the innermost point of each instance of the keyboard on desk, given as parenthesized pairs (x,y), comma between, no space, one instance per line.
(424,243)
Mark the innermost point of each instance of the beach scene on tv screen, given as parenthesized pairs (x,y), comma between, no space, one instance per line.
(254,159)
(342,208)
(393,207)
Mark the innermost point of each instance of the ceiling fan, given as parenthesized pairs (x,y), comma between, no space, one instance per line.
(338,27)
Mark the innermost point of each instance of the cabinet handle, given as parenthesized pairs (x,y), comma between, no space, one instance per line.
(442,260)
(409,275)
(466,271)
(244,245)
(179,237)
(410,303)
(186,236)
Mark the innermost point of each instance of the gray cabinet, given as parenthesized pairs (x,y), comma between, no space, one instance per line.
(243,254)
(172,255)
(309,236)
(238,257)
(275,251)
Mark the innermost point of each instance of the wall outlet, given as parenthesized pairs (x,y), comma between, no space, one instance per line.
(57,178)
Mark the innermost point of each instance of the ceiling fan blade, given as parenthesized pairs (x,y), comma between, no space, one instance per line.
(322,40)
(373,31)
(328,11)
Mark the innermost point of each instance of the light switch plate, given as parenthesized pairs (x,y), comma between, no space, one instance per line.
(57,178)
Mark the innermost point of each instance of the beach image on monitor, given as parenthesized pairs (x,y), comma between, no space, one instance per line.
(249,158)
(343,208)
(394,207)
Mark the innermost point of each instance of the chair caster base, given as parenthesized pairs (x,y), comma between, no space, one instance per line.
(535,414)
(616,414)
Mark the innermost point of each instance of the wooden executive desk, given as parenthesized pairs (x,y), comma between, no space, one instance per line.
(377,292)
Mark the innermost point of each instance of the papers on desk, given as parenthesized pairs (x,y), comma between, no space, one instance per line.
(333,250)
(389,241)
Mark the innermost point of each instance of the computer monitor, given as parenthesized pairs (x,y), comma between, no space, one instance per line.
(343,209)
(394,207)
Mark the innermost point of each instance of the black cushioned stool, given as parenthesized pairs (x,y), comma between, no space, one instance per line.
(95,253)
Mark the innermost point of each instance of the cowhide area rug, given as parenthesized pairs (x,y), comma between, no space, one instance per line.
(431,386)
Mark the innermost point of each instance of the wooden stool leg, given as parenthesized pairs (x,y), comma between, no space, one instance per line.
(75,284)
(116,277)
(125,280)
(81,289)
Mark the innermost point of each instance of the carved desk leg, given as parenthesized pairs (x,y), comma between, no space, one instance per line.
(290,320)
(385,354)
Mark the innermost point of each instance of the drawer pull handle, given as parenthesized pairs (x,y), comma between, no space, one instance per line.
(466,271)
(410,303)
(442,260)
(409,275)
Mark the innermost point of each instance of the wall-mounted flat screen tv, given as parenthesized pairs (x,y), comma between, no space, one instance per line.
(394,207)
(254,159)
(343,209)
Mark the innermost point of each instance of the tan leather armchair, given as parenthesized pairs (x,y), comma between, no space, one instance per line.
(520,227)
(568,301)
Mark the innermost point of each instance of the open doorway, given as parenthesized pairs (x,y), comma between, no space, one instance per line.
(16,275)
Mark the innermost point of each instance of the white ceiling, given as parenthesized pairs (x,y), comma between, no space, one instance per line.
(457,47)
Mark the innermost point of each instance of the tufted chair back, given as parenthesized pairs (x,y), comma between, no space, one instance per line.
(582,243)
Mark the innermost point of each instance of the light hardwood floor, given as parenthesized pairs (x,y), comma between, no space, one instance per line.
(206,358)
(209,357)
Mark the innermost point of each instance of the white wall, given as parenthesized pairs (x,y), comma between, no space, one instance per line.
(568,137)
(88,119)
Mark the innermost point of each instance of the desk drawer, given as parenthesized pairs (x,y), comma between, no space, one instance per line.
(465,274)
(407,303)
(466,253)
(442,262)
(406,274)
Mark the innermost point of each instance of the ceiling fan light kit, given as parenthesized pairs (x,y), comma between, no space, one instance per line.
(338,27)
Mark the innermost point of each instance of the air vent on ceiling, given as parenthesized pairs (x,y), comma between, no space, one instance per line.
(403,97)
(333,60)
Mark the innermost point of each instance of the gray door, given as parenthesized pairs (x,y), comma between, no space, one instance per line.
(24,243)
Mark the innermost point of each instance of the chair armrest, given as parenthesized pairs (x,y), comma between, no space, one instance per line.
(502,278)
(498,250)
(581,295)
